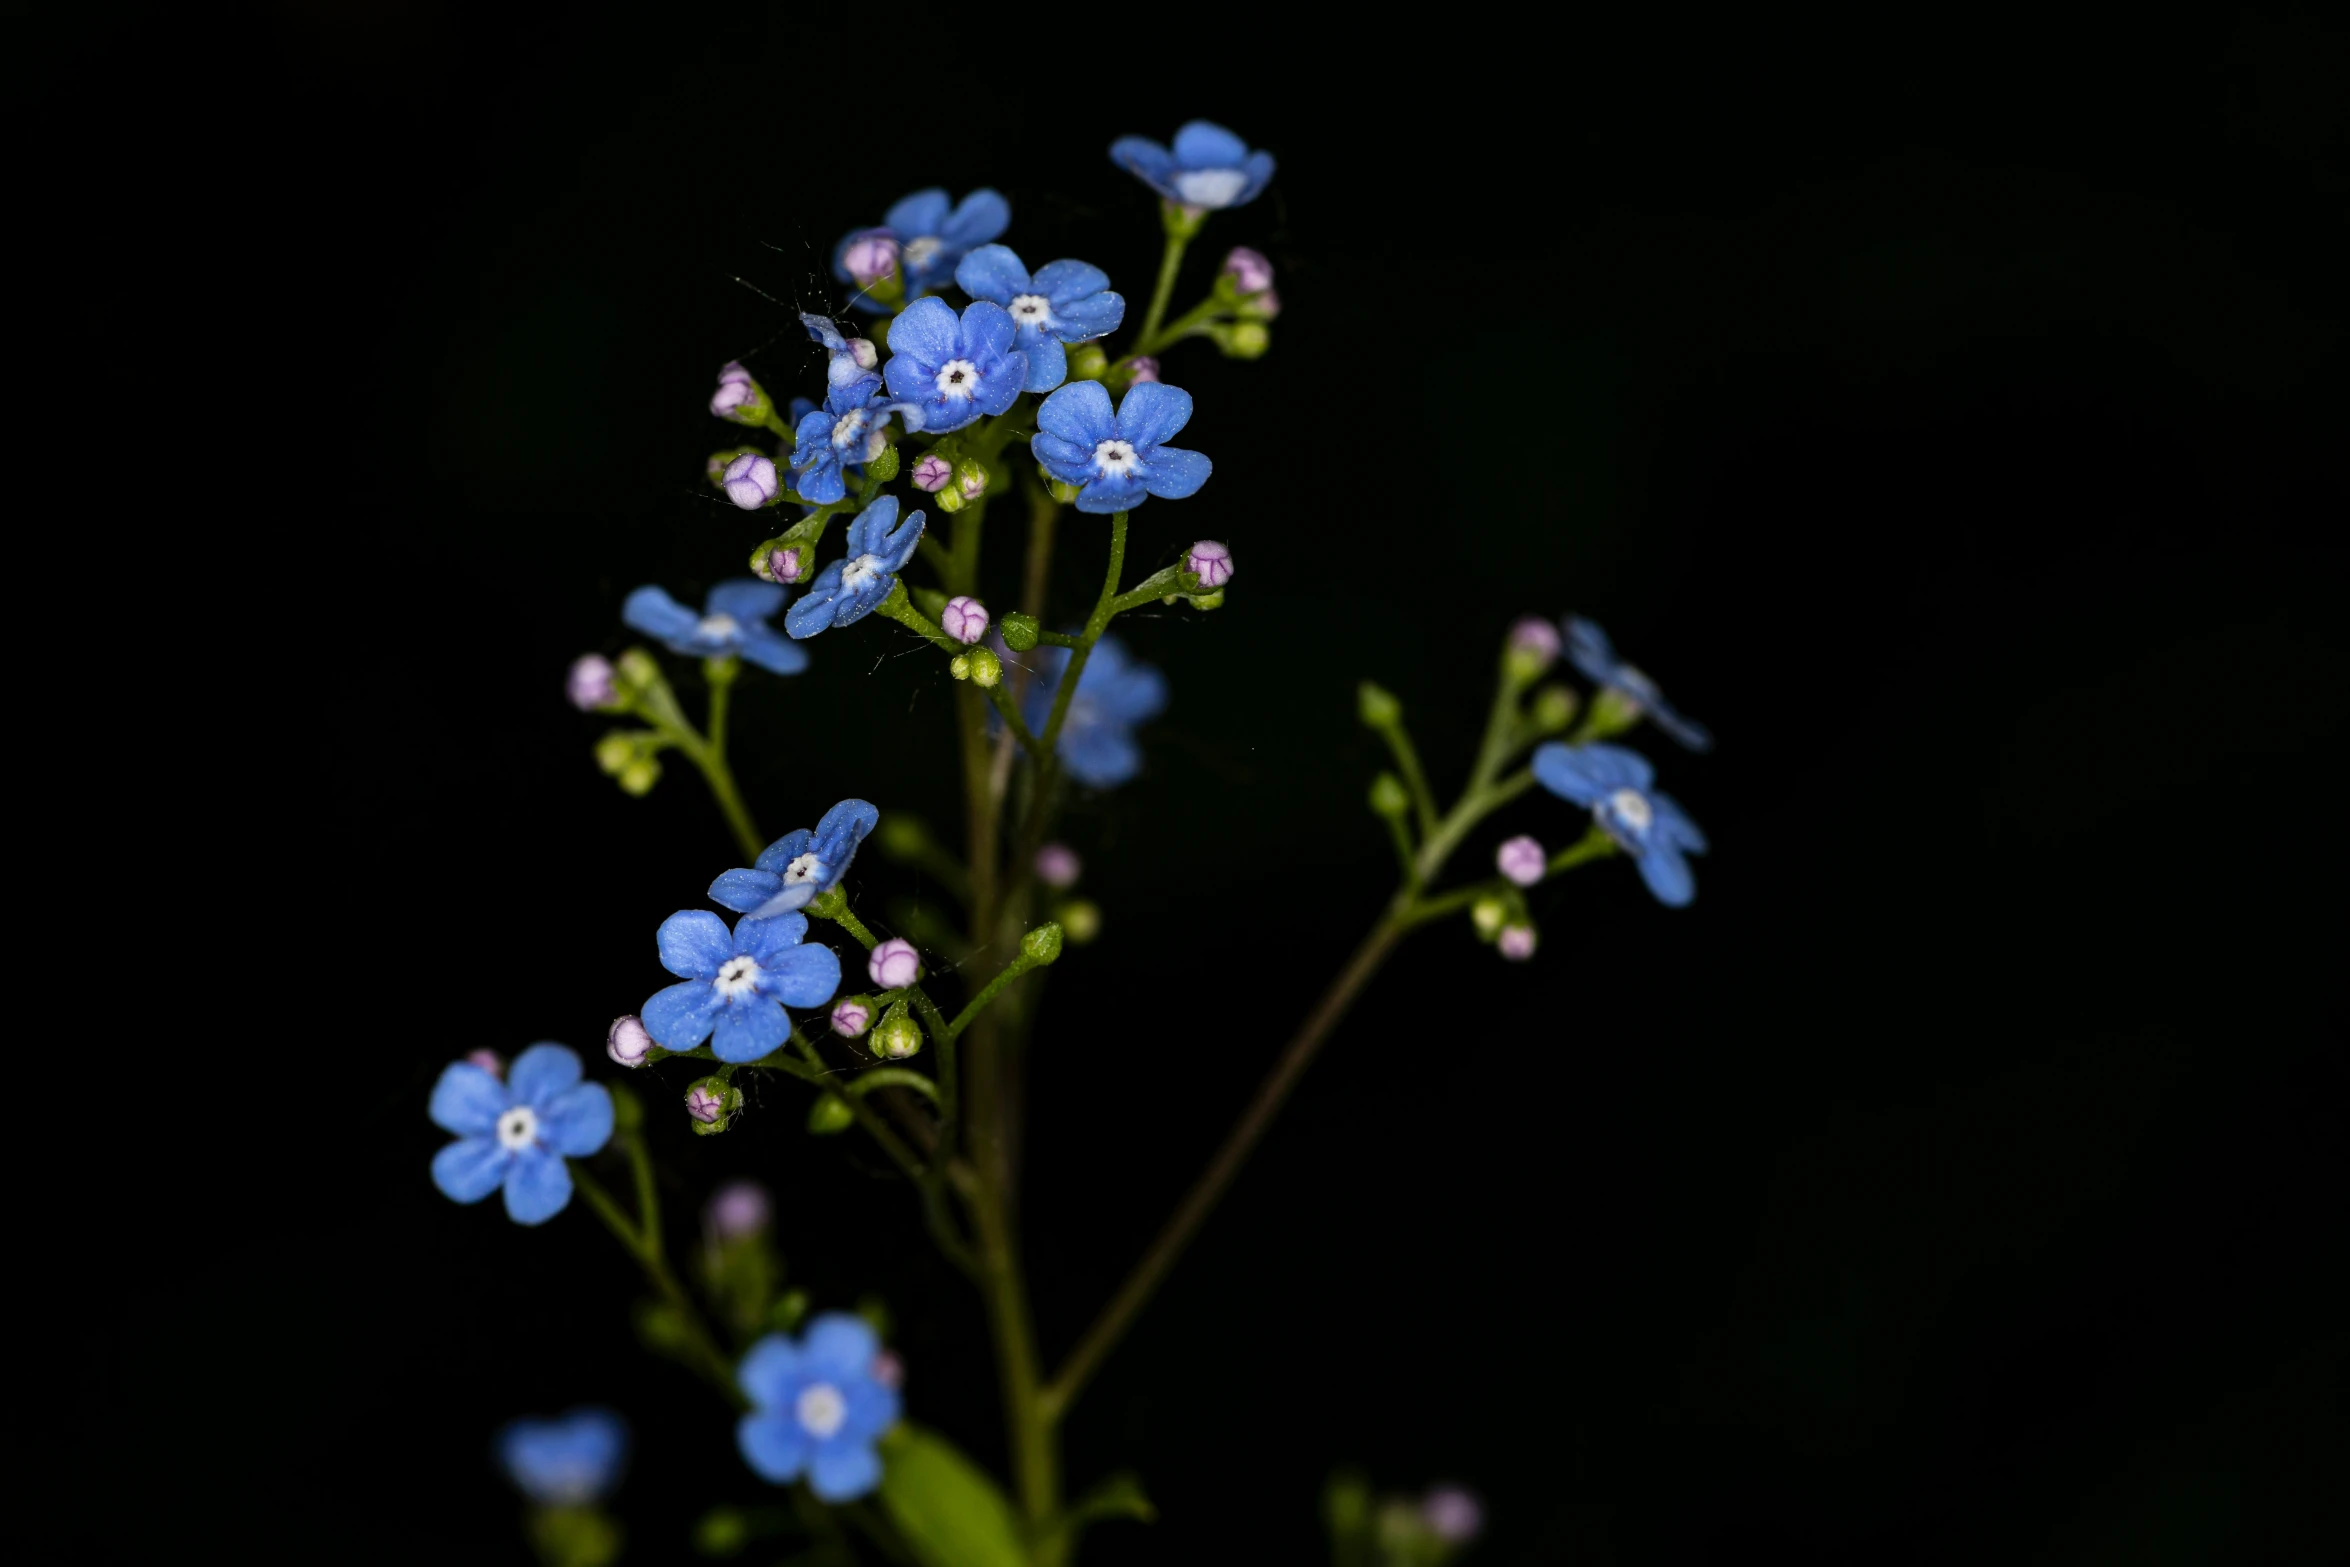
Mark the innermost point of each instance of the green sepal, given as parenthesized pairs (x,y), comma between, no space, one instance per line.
(1389,797)
(1087,362)
(831,903)
(897,1036)
(1042,945)
(1552,709)
(829,1114)
(881,469)
(1180,221)
(1241,339)
(948,1511)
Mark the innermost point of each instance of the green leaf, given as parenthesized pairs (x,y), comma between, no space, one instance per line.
(950,1512)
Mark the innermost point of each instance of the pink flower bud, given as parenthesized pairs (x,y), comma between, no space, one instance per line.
(888,1370)
(1453,1514)
(894,964)
(851,1018)
(1263,307)
(1210,562)
(1058,866)
(787,565)
(1251,272)
(628,1044)
(590,684)
(704,1104)
(964,619)
(932,472)
(1516,942)
(740,1209)
(1521,860)
(1144,369)
(739,401)
(488,1060)
(750,482)
(971,481)
(1537,640)
(871,256)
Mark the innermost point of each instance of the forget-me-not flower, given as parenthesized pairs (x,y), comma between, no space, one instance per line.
(1116,459)
(1618,787)
(517,1133)
(736,985)
(954,368)
(1209,167)
(920,239)
(844,433)
(1097,744)
(567,1462)
(1590,651)
(732,624)
(846,358)
(1065,302)
(797,866)
(817,1408)
(849,589)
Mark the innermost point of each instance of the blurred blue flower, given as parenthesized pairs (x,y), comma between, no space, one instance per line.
(954,369)
(1097,744)
(732,624)
(1590,651)
(1617,785)
(565,1462)
(817,1408)
(1066,302)
(736,986)
(1116,460)
(921,239)
(798,865)
(516,1133)
(849,589)
(1209,167)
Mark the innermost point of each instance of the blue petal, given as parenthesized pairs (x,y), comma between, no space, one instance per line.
(1079,413)
(897,547)
(1064,460)
(1135,695)
(745,598)
(924,336)
(762,939)
(770,1373)
(1048,363)
(1589,650)
(872,1409)
(981,217)
(861,600)
(681,1016)
(743,891)
(1101,754)
(1674,826)
(1065,282)
(1153,411)
(817,607)
(802,977)
(826,331)
(777,856)
(839,1347)
(1000,382)
(988,329)
(470,1169)
(924,212)
(578,1121)
(1667,874)
(841,1472)
(795,895)
(751,1028)
(843,828)
(1687,731)
(467,1100)
(773,1444)
(537,1187)
(540,1073)
(1094,315)
(1104,496)
(1171,473)
(871,527)
(849,396)
(1259,169)
(772,653)
(656,614)
(1145,159)
(992,272)
(1203,144)
(1557,769)
(692,943)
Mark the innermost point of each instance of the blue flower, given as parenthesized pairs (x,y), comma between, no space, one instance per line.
(846,591)
(1210,167)
(737,985)
(1097,744)
(733,623)
(798,865)
(518,1132)
(1116,460)
(1592,653)
(1067,302)
(1647,825)
(844,361)
(954,370)
(567,1462)
(929,235)
(844,433)
(817,1408)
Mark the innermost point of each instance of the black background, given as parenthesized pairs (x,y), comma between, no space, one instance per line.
(1951,420)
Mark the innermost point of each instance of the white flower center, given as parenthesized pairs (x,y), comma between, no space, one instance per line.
(1210,187)
(1113,459)
(1631,807)
(719,628)
(847,429)
(737,976)
(919,251)
(1032,310)
(958,378)
(805,868)
(518,1128)
(860,571)
(821,1409)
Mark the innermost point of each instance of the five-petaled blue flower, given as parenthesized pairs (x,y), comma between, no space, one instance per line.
(846,431)
(817,1408)
(1592,653)
(517,1133)
(1066,302)
(798,865)
(732,624)
(1115,460)
(1616,785)
(954,369)
(1097,744)
(567,1462)
(1209,166)
(737,985)
(849,589)
(930,234)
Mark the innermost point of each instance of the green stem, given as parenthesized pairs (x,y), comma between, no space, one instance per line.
(891,1077)
(977,1004)
(1170,262)
(1407,761)
(707,1357)
(1104,608)
(1181,327)
(1593,845)
(1028,1422)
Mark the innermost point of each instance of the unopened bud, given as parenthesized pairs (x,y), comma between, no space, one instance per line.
(851,1016)
(1058,866)
(1209,561)
(986,668)
(1613,712)
(1080,920)
(1376,705)
(1261,307)
(739,1210)
(1388,797)
(861,350)
(894,964)
(488,1060)
(1087,362)
(1521,860)
(950,500)
(932,472)
(870,257)
(888,1369)
(637,671)
(897,1035)
(738,398)
(1453,1514)
(711,1103)
(1533,643)
(750,482)
(627,755)
(1516,942)
(1019,631)
(1242,339)
(1144,369)
(1250,272)
(592,683)
(971,480)
(1064,493)
(787,565)
(627,1042)
(830,1113)
(1486,915)
(964,619)
(1553,709)
(1042,944)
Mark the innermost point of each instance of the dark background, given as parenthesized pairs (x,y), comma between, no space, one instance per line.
(1951,420)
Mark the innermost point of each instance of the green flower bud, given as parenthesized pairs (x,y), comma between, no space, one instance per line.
(1487,915)
(971,478)
(789,1311)
(1080,920)
(1553,709)
(711,1103)
(1388,796)
(636,671)
(986,668)
(1376,705)
(1019,631)
(897,1036)
(901,836)
(1087,362)
(1213,600)
(628,756)
(949,499)
(882,468)
(960,666)
(1064,493)
(830,1113)
(574,1536)
(1242,339)
(1613,713)
(1042,944)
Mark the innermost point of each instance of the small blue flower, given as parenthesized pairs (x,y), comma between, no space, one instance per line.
(567,1462)
(733,623)
(1592,653)
(817,1408)
(844,433)
(1615,784)
(953,369)
(798,865)
(844,360)
(848,590)
(517,1133)
(1116,460)
(926,236)
(736,986)
(1067,302)
(1209,167)
(1097,744)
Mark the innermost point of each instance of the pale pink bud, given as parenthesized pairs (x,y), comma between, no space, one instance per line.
(1144,369)
(1211,562)
(488,1060)
(740,1209)
(628,1044)
(1058,866)
(1263,306)
(1516,942)
(591,683)
(787,565)
(1536,641)
(739,401)
(888,1370)
(703,1104)
(894,964)
(851,1018)
(932,472)
(1251,272)
(1453,1514)
(750,481)
(964,619)
(870,257)
(1521,860)
(971,481)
